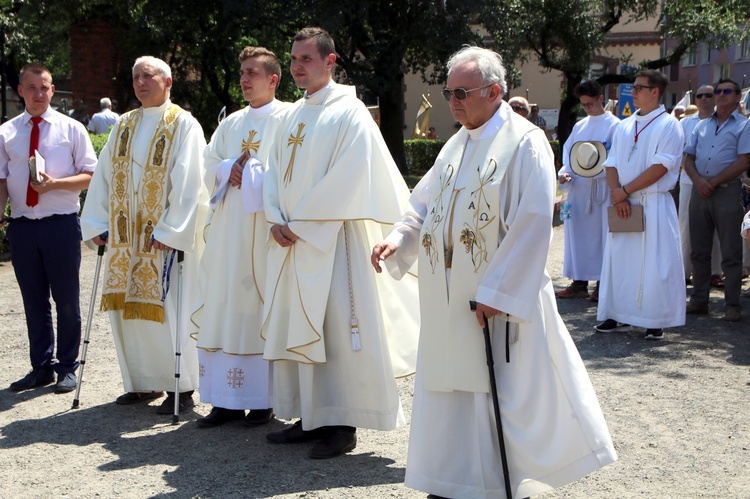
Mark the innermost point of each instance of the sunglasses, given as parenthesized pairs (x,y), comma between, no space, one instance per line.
(703,96)
(725,91)
(638,88)
(460,93)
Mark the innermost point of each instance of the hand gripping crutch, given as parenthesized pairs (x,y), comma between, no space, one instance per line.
(495,402)
(178,337)
(99,253)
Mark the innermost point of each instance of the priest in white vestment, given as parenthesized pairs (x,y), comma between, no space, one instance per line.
(587,194)
(643,279)
(337,336)
(233,374)
(480,225)
(148,194)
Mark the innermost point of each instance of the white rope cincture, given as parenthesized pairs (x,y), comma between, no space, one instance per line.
(639,295)
(356,343)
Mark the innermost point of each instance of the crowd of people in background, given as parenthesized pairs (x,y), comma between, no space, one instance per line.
(277,223)
(695,240)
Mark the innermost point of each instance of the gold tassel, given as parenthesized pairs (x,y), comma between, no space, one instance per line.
(143,311)
(113,301)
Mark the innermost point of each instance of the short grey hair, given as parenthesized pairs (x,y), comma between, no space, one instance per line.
(105,102)
(521,101)
(155,63)
(488,62)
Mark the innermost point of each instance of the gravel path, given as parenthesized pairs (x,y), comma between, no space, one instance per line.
(678,410)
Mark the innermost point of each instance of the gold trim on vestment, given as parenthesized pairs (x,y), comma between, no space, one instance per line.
(134,280)
(317,333)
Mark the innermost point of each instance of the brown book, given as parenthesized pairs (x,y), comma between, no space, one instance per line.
(634,223)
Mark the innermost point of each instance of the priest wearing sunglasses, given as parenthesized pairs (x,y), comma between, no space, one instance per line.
(479,224)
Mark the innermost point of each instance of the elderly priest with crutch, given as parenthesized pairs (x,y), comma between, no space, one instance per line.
(148,193)
(480,224)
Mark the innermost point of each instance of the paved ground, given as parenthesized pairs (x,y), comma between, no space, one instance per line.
(678,410)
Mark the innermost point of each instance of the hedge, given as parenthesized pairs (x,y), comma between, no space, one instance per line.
(420,156)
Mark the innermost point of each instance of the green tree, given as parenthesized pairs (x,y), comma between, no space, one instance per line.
(379,41)
(565,36)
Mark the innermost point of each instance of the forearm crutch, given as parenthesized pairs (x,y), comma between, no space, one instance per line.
(100,252)
(178,337)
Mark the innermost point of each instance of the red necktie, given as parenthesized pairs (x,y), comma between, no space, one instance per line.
(32,197)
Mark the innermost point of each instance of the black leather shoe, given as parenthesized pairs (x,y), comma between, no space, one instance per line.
(296,434)
(338,441)
(218,417)
(257,417)
(167,407)
(65,383)
(37,377)
(131,398)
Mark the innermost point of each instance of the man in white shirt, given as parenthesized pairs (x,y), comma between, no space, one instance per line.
(45,234)
(104,119)
(643,282)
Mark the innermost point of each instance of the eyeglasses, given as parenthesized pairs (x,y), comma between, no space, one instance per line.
(703,96)
(517,108)
(638,88)
(460,93)
(725,91)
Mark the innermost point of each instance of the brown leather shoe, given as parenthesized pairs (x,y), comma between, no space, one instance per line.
(696,309)
(733,314)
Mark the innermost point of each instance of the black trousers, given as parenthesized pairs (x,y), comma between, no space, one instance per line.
(46,256)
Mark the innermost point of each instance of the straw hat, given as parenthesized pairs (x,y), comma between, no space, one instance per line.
(587,158)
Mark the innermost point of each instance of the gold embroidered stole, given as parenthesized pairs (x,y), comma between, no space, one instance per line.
(134,274)
(450,339)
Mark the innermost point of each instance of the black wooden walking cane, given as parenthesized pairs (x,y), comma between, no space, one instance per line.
(495,401)
(99,253)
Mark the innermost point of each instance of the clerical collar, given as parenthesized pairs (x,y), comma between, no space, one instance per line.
(653,114)
(262,110)
(321,91)
(158,110)
(493,125)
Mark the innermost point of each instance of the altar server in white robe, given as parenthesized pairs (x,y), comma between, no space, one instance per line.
(643,279)
(588,195)
(480,226)
(233,374)
(148,194)
(337,335)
